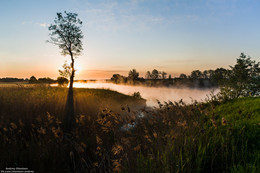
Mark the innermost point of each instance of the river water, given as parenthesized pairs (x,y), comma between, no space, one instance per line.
(152,94)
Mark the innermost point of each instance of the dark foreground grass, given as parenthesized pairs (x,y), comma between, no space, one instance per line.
(209,137)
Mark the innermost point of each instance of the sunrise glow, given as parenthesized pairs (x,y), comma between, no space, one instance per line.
(171,36)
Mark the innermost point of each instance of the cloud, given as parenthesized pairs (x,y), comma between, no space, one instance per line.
(36,23)
(27,22)
(144,15)
(43,24)
(114,16)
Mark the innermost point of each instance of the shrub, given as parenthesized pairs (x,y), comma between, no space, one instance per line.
(62,81)
(137,95)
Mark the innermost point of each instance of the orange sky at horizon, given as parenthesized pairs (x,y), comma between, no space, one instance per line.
(84,74)
(80,75)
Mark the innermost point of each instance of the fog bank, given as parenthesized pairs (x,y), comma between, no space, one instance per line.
(152,94)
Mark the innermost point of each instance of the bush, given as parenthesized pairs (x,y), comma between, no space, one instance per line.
(137,95)
(243,79)
(62,81)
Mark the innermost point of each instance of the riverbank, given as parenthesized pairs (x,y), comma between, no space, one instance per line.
(176,137)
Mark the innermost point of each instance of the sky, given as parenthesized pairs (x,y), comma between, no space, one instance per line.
(175,36)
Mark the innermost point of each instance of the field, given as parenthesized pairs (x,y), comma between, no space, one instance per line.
(117,133)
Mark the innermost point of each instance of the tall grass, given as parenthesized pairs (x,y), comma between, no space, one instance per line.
(115,133)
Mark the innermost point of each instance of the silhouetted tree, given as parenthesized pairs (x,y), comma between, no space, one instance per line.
(183,76)
(205,74)
(219,76)
(170,77)
(196,74)
(62,81)
(133,74)
(164,75)
(32,79)
(148,75)
(155,74)
(66,33)
(117,78)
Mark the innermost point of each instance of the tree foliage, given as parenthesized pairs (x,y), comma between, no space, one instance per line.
(66,71)
(62,81)
(183,76)
(66,33)
(117,78)
(32,79)
(163,75)
(148,75)
(155,74)
(196,74)
(133,74)
(244,78)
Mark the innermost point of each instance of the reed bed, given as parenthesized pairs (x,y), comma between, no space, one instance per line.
(117,133)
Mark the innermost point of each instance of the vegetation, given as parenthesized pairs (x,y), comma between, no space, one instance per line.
(133,74)
(118,133)
(62,81)
(110,137)
(66,33)
(32,80)
(65,73)
(137,95)
(12,80)
(243,79)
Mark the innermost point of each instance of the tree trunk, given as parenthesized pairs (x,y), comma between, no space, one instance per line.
(69,119)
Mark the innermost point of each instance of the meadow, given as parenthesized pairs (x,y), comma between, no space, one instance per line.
(117,133)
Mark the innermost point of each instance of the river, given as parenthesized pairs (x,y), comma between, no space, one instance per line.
(152,94)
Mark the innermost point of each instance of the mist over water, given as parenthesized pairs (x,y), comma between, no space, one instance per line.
(152,94)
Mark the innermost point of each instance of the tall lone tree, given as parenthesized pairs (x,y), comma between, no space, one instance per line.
(66,33)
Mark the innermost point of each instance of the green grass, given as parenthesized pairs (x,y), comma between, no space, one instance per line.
(241,111)
(243,120)
(219,137)
(208,137)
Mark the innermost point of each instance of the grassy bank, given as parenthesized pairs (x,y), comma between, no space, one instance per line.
(213,136)
(36,100)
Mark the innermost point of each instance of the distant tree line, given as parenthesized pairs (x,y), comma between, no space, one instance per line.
(197,78)
(9,79)
(45,80)
(31,80)
(62,81)
(241,79)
